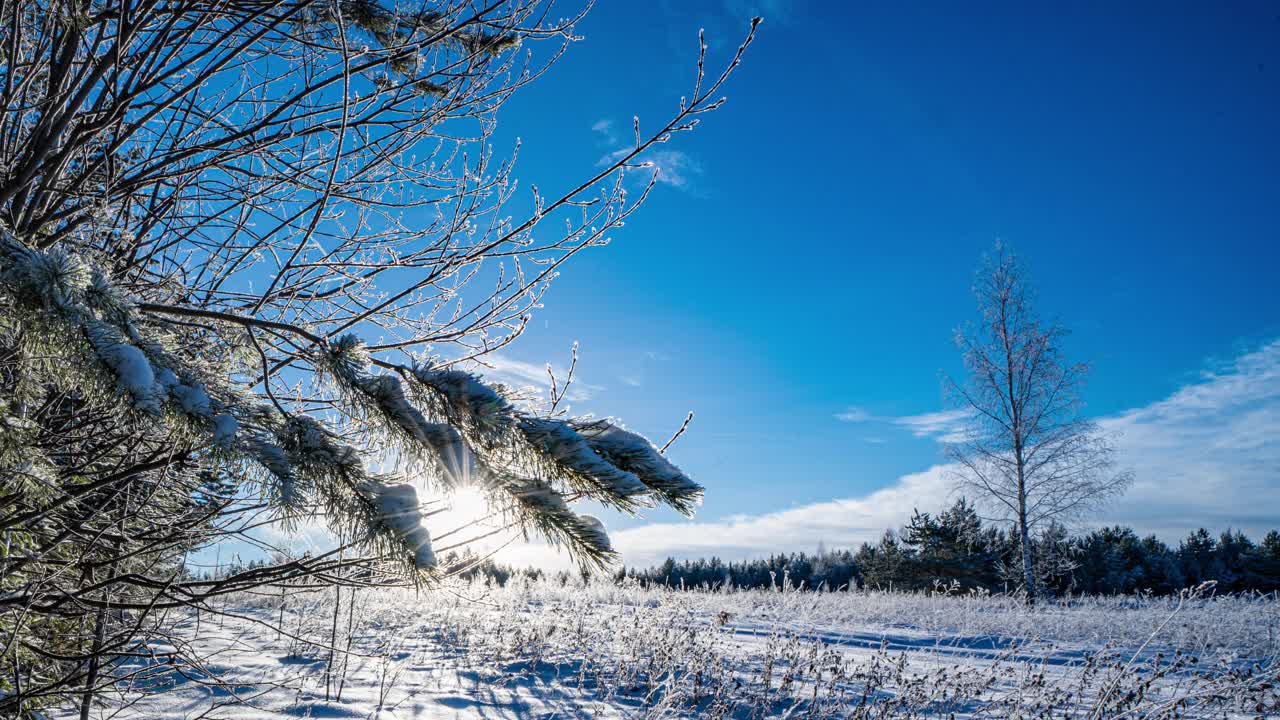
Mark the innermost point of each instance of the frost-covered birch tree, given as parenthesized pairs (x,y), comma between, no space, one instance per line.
(250,249)
(1027,448)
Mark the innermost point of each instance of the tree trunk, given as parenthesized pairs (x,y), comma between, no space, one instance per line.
(91,678)
(1028,568)
(333,642)
(99,638)
(1024,537)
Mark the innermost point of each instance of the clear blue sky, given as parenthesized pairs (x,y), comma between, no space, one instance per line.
(818,251)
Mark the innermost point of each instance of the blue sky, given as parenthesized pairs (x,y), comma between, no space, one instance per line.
(797,277)
(813,249)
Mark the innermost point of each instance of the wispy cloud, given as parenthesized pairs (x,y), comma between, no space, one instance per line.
(520,374)
(604,128)
(944,425)
(948,426)
(1209,454)
(855,415)
(671,167)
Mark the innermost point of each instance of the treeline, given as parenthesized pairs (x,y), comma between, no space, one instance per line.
(954,550)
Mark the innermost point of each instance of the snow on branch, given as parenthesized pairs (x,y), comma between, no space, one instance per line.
(572,458)
(72,298)
(634,453)
(540,506)
(356,503)
(466,402)
(305,461)
(399,512)
(382,399)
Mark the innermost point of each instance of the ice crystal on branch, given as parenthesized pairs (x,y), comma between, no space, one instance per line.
(231,234)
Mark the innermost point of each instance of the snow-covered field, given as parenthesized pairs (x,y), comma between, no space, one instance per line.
(545,650)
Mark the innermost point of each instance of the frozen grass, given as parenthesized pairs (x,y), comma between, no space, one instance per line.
(542,649)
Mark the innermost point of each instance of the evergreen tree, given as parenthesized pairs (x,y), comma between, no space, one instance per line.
(1267,559)
(1161,574)
(221,308)
(1235,554)
(947,550)
(1198,558)
(953,548)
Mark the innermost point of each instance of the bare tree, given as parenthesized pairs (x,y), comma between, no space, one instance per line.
(1026,447)
(245,248)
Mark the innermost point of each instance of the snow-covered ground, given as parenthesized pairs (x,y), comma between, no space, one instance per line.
(546,650)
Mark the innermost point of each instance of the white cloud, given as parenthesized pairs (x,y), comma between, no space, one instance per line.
(1208,455)
(844,522)
(604,128)
(672,167)
(946,425)
(520,374)
(855,415)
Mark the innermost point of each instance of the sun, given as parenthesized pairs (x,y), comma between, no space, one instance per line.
(462,520)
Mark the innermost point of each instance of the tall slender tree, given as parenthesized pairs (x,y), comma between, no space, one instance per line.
(1026,448)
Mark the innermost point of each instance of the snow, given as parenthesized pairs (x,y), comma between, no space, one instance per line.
(599,536)
(166,379)
(224,430)
(274,459)
(465,391)
(128,364)
(192,399)
(388,392)
(534,492)
(559,440)
(55,273)
(635,453)
(400,511)
(569,649)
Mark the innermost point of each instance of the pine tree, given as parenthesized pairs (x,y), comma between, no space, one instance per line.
(222,308)
(947,550)
(1198,558)
(1267,574)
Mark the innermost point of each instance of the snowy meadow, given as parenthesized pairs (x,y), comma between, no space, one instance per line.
(267,274)
(594,648)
